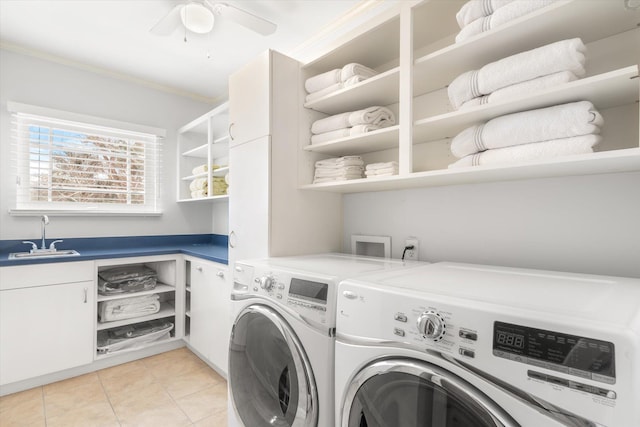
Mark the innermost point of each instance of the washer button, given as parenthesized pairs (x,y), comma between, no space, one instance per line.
(468,353)
(400,317)
(468,335)
(399,332)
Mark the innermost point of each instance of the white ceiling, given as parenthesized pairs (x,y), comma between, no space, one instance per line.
(113,36)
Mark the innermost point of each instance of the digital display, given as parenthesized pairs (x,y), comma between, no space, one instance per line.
(539,347)
(308,289)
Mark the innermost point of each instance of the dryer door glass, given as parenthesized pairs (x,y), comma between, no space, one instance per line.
(408,393)
(270,378)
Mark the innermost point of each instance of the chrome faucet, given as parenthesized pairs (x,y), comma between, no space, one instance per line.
(44,221)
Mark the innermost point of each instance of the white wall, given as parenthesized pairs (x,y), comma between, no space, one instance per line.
(35,81)
(588,224)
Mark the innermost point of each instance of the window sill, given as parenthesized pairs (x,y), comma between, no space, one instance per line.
(62,212)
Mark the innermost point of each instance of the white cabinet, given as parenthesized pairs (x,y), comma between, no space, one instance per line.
(46,319)
(415,54)
(208,295)
(268,214)
(204,143)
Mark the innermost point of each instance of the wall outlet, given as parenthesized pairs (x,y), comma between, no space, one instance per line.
(412,254)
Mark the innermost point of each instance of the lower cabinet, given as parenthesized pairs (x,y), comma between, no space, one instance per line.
(46,319)
(208,314)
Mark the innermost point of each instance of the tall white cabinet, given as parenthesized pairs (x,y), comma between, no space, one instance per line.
(268,214)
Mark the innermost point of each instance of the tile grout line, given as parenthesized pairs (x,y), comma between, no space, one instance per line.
(44,406)
(104,390)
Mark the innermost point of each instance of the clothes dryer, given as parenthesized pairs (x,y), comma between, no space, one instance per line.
(450,344)
(281,352)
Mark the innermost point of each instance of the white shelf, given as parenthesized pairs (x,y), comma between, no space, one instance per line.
(615,161)
(128,350)
(619,87)
(560,20)
(379,90)
(381,139)
(217,172)
(166,310)
(159,289)
(222,198)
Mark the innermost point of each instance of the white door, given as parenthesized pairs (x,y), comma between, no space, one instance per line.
(202,296)
(221,310)
(45,329)
(249,200)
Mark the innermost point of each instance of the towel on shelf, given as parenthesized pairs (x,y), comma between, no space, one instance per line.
(382,165)
(128,308)
(343,133)
(203,168)
(338,162)
(323,81)
(381,172)
(338,169)
(524,88)
(331,172)
(532,152)
(474,9)
(198,194)
(565,55)
(379,116)
(198,184)
(508,12)
(356,70)
(559,121)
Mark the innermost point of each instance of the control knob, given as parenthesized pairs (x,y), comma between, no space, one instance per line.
(431,325)
(267,282)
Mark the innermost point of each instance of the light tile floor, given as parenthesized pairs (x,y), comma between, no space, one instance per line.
(170,389)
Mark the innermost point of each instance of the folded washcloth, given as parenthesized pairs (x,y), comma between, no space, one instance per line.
(565,55)
(382,165)
(347,170)
(524,88)
(198,184)
(353,69)
(381,172)
(338,162)
(559,121)
(535,151)
(342,133)
(322,81)
(501,16)
(474,9)
(379,116)
(203,168)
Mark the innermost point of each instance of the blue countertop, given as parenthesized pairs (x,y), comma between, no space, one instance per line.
(212,247)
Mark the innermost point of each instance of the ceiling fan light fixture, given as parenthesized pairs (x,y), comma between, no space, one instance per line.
(197,18)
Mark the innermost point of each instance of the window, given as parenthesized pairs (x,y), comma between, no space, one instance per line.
(81,164)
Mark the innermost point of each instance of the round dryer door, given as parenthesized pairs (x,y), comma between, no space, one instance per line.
(270,377)
(409,393)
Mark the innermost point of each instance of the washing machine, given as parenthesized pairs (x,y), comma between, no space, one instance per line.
(460,345)
(281,350)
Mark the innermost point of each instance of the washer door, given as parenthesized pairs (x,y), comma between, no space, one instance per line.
(270,377)
(410,393)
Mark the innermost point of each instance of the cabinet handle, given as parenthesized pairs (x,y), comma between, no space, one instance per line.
(232,238)
(230,134)
(86,295)
(199,269)
(220,274)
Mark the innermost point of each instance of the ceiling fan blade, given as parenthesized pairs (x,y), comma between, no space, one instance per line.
(244,18)
(168,23)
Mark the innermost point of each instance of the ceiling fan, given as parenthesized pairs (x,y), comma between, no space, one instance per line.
(198,17)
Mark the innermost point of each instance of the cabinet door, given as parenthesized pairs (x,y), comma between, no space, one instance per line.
(220,310)
(249,101)
(202,295)
(45,329)
(249,205)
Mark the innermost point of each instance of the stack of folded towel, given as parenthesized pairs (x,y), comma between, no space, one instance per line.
(199,187)
(334,80)
(338,169)
(351,123)
(478,16)
(536,69)
(198,170)
(220,185)
(381,169)
(533,135)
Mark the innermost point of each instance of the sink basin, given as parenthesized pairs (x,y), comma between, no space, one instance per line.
(44,254)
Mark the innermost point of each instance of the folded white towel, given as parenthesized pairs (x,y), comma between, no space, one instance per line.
(203,168)
(342,133)
(334,88)
(128,308)
(524,88)
(347,170)
(382,165)
(354,69)
(501,16)
(198,184)
(379,116)
(322,81)
(559,121)
(382,172)
(474,9)
(535,151)
(338,162)
(565,55)
(199,194)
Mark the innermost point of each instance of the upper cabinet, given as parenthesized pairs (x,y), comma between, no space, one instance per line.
(416,56)
(203,157)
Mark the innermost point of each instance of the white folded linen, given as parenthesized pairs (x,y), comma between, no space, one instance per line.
(381,172)
(379,116)
(507,13)
(565,55)
(128,308)
(524,88)
(199,194)
(474,9)
(198,184)
(543,124)
(203,168)
(343,133)
(381,165)
(535,151)
(338,162)
(334,88)
(354,69)
(329,172)
(322,81)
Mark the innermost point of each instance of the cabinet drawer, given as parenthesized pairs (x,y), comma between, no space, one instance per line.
(24,276)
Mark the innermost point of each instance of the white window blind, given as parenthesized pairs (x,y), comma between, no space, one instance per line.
(84,166)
